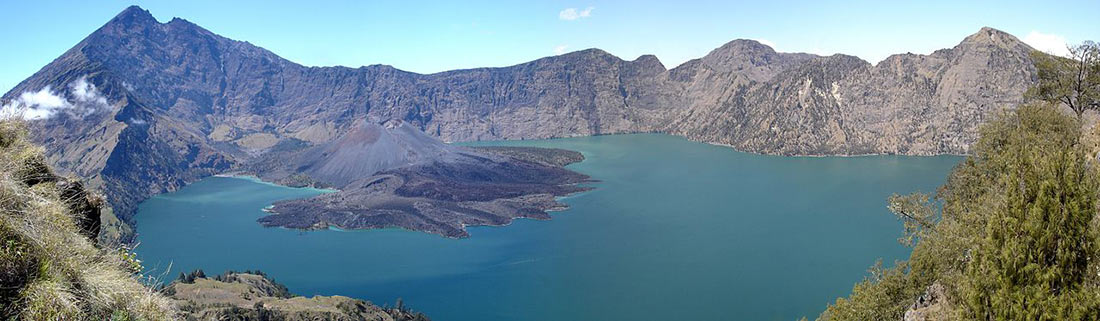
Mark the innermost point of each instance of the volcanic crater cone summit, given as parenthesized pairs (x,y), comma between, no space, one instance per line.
(370,147)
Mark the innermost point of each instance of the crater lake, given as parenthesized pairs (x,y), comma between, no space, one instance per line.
(674,230)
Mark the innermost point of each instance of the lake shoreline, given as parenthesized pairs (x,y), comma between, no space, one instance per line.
(444,199)
(673,222)
(257,179)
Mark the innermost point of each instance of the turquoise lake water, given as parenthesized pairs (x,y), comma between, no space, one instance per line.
(675,230)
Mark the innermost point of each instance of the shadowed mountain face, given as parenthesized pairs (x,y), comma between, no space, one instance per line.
(180,102)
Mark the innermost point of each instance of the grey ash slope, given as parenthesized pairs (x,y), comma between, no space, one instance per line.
(187,103)
(370,148)
(441,196)
(393,175)
(367,148)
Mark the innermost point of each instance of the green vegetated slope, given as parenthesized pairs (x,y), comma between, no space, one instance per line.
(51,267)
(1014,233)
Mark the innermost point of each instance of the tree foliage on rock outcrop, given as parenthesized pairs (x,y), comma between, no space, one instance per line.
(1073,81)
(1013,233)
(1015,238)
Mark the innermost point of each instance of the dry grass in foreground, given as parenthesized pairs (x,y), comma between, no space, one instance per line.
(49,267)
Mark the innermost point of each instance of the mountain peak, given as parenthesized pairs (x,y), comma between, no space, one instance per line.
(739,50)
(134,15)
(132,19)
(745,45)
(589,52)
(986,34)
(993,37)
(648,59)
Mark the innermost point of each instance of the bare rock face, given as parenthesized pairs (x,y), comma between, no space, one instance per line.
(930,306)
(154,106)
(840,105)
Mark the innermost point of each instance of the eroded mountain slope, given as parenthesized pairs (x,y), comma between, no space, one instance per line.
(150,106)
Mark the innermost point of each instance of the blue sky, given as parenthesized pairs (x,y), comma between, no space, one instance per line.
(432,36)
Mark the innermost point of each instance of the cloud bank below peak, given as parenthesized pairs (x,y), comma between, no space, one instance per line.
(84,100)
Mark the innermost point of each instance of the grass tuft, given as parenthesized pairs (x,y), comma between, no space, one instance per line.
(49,270)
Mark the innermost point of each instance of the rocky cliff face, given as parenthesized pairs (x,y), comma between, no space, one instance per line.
(180,102)
(841,105)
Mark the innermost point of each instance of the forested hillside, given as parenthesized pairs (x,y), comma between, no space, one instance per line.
(1014,233)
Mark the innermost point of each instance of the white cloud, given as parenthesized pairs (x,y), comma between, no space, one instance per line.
(560,49)
(574,13)
(46,103)
(1048,43)
(35,105)
(766,42)
(85,92)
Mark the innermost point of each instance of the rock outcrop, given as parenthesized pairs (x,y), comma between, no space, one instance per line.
(254,296)
(930,306)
